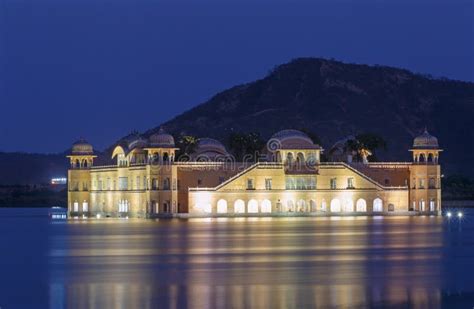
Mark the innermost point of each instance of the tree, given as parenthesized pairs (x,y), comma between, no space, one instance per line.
(186,144)
(245,146)
(364,146)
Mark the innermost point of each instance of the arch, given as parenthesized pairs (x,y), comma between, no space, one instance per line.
(378,205)
(422,158)
(85,206)
(430,158)
(312,206)
(301,206)
(239,207)
(252,206)
(391,207)
(324,205)
(166,157)
(266,206)
(361,205)
(335,205)
(78,163)
(278,156)
(222,206)
(432,205)
(290,206)
(422,205)
(300,159)
(84,163)
(76,206)
(289,158)
(348,205)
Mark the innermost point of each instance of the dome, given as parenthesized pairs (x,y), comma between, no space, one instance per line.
(162,139)
(209,148)
(425,140)
(137,142)
(291,139)
(82,147)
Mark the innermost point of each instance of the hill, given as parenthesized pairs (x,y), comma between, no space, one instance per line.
(335,99)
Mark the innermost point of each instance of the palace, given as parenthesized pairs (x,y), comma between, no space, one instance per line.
(144,178)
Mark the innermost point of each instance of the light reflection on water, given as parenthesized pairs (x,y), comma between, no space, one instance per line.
(263,263)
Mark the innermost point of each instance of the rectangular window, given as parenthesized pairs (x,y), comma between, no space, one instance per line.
(422,183)
(350,183)
(199,181)
(311,183)
(138,182)
(123,183)
(333,183)
(290,183)
(221,179)
(250,184)
(115,185)
(108,183)
(268,184)
(100,185)
(432,183)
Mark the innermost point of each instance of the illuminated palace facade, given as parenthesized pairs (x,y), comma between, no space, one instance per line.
(145,179)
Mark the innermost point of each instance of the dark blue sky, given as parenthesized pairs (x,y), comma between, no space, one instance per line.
(99,69)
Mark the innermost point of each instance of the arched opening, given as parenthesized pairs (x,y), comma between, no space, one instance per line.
(84,163)
(391,207)
(76,206)
(335,205)
(252,206)
(301,206)
(222,206)
(166,157)
(278,156)
(239,207)
(430,158)
(78,163)
(300,159)
(266,206)
(290,206)
(155,158)
(289,158)
(312,206)
(85,206)
(422,158)
(348,205)
(378,205)
(422,205)
(432,205)
(324,206)
(361,205)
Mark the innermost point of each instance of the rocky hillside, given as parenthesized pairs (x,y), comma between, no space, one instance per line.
(334,99)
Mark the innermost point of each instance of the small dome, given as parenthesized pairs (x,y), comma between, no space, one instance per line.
(425,140)
(162,139)
(208,149)
(82,147)
(137,142)
(291,139)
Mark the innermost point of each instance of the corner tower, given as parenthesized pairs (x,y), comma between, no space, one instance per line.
(425,173)
(81,159)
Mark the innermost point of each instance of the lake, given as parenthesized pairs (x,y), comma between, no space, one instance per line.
(345,262)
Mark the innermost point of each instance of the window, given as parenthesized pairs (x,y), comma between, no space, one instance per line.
(145,187)
(100,185)
(250,184)
(432,183)
(333,183)
(123,183)
(76,206)
(268,184)
(422,183)
(414,183)
(311,183)
(387,182)
(199,181)
(108,183)
(138,182)
(166,184)
(290,183)
(350,183)
(221,179)
(115,185)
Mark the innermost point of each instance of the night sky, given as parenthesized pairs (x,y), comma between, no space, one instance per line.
(100,68)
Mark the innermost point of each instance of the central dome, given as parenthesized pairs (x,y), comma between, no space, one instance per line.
(425,140)
(291,139)
(209,148)
(162,139)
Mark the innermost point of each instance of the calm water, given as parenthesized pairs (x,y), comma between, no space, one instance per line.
(419,262)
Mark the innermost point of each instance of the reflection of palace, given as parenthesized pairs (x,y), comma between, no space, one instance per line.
(145,180)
